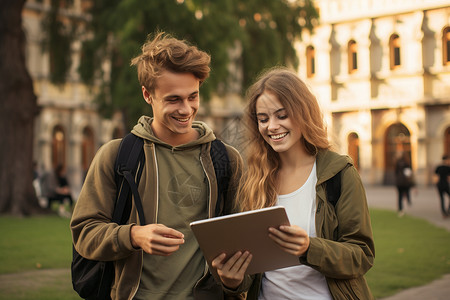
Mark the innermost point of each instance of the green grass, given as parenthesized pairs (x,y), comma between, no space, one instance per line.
(408,252)
(36,254)
(30,243)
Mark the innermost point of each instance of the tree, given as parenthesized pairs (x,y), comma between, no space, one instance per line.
(17,114)
(264,29)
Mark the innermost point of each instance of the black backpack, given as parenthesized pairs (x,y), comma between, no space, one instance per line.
(333,188)
(93,279)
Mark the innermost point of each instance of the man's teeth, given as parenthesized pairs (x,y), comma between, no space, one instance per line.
(182,120)
(278,136)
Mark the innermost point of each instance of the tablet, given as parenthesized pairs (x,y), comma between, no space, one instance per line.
(245,231)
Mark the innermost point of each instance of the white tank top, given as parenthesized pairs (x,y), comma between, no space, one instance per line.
(298,282)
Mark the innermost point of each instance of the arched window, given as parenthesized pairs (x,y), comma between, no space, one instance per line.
(394,51)
(447,141)
(353,148)
(397,141)
(446,46)
(58,147)
(87,148)
(117,133)
(310,61)
(352,49)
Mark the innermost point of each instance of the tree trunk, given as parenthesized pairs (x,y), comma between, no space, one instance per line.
(17,113)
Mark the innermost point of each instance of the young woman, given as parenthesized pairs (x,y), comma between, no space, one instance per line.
(289,163)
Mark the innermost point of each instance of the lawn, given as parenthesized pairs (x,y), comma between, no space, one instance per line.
(37,251)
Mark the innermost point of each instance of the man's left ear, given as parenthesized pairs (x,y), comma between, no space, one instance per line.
(146,95)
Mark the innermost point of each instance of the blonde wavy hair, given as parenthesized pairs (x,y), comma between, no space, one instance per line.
(259,187)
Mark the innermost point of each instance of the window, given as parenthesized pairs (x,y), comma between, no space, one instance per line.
(310,61)
(352,56)
(117,133)
(58,147)
(397,141)
(447,141)
(394,47)
(353,148)
(446,46)
(87,148)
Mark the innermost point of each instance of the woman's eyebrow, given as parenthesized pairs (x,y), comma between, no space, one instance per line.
(275,112)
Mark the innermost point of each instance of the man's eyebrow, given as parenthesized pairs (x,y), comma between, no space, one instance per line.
(178,96)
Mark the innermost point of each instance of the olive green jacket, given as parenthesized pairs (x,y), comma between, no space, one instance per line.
(96,237)
(343,250)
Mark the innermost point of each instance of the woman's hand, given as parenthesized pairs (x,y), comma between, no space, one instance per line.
(232,271)
(292,239)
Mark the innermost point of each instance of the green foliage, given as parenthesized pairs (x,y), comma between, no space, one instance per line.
(264,29)
(57,43)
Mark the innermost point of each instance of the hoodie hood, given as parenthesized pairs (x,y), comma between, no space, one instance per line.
(144,130)
(329,163)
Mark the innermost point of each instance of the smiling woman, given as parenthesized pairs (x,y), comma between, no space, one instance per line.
(289,163)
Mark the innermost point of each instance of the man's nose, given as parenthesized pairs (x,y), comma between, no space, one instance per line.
(184,107)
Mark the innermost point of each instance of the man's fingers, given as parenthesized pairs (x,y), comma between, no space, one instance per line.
(165,231)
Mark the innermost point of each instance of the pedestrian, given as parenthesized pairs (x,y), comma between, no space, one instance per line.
(54,187)
(443,175)
(160,259)
(404,181)
(289,161)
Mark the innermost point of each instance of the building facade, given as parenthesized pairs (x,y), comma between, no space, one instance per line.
(68,129)
(381,71)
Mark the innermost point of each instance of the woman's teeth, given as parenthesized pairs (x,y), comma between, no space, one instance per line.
(278,136)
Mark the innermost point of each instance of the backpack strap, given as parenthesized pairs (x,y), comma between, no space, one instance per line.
(333,188)
(129,164)
(221,162)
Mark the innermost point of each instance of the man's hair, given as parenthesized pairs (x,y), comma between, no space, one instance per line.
(166,53)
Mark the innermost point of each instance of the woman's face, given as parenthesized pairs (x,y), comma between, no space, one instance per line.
(274,124)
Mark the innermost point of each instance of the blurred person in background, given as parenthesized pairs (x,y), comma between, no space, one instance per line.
(442,176)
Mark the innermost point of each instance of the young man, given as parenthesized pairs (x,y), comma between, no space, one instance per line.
(160,259)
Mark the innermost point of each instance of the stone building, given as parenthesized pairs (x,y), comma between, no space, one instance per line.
(68,129)
(381,71)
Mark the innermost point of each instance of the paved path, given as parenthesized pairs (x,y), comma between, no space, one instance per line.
(426,205)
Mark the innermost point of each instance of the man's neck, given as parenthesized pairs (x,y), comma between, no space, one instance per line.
(176,139)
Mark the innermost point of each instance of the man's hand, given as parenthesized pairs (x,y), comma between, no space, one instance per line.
(232,271)
(292,239)
(156,239)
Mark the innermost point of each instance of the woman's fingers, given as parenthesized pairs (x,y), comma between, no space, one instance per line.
(292,239)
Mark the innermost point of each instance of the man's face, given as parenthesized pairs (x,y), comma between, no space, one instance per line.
(175,104)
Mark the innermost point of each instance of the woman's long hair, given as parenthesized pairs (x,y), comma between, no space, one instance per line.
(259,187)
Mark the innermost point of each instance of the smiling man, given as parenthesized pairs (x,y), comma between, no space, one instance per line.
(160,259)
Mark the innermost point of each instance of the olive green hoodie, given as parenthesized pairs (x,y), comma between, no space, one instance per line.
(96,237)
(343,250)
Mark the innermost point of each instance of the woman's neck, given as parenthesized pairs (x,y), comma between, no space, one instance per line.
(294,170)
(295,158)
